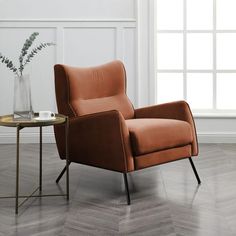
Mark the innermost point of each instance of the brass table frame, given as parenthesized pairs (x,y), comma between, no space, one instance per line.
(8,121)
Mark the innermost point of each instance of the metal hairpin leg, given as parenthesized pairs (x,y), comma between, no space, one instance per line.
(40,159)
(66,168)
(17,166)
(194,170)
(67,157)
(126,188)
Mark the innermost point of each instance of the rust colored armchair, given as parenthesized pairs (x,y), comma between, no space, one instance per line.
(106,131)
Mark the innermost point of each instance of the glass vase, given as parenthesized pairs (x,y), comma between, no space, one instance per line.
(22,104)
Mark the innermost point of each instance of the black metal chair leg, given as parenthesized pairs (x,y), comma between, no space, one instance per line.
(194,170)
(61,174)
(126,188)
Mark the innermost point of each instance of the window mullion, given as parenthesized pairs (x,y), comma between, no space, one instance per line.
(185,49)
(214,57)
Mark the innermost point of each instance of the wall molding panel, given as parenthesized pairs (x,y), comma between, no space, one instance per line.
(60,25)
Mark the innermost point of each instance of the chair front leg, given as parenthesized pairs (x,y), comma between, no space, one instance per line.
(194,170)
(126,188)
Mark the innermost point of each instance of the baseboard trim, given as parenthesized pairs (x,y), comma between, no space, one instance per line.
(217,137)
(10,138)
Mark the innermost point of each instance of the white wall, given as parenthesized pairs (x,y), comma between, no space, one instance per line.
(87,32)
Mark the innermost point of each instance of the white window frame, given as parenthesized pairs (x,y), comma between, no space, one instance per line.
(153,32)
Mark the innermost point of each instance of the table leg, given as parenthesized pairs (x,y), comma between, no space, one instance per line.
(67,158)
(40,159)
(17,167)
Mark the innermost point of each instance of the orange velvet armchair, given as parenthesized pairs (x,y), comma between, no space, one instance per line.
(106,131)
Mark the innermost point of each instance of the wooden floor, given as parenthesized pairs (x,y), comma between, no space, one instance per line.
(166,200)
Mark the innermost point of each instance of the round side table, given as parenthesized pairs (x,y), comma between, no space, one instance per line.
(7,120)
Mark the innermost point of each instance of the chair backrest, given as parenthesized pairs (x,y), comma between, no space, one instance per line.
(81,91)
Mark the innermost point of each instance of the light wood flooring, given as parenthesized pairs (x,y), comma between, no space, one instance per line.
(165,200)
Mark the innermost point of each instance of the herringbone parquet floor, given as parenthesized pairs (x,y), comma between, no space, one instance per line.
(166,200)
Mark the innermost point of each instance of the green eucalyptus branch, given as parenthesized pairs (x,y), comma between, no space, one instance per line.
(34,52)
(9,63)
(24,50)
(24,53)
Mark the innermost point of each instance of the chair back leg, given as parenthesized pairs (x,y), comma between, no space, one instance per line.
(61,174)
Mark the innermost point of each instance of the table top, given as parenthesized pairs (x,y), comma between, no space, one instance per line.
(7,120)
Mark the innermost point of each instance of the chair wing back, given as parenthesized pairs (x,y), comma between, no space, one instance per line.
(81,91)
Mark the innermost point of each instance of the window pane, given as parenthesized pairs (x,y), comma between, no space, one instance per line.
(170,14)
(199,51)
(199,14)
(170,51)
(200,90)
(226,51)
(169,87)
(226,17)
(226,91)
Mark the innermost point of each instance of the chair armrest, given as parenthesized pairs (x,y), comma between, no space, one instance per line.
(101,140)
(179,110)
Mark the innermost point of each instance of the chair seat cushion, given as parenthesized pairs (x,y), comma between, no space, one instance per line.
(151,135)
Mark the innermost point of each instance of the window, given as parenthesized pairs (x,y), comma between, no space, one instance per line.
(196,53)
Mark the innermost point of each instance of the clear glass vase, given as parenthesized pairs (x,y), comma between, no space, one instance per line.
(22,103)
